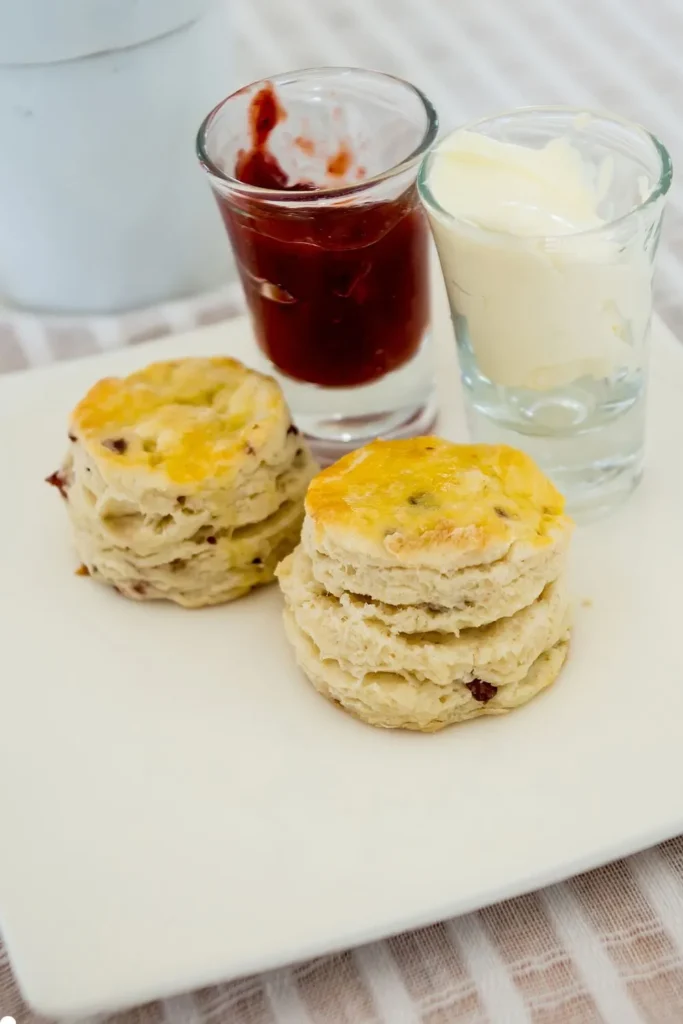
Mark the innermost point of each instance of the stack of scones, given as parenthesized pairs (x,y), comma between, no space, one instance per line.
(429,585)
(184,481)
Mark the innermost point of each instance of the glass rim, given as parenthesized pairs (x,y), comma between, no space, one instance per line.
(337,191)
(659,190)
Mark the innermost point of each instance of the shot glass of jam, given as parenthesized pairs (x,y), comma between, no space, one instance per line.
(314,173)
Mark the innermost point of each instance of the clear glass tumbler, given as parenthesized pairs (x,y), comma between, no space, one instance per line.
(314,173)
(547,246)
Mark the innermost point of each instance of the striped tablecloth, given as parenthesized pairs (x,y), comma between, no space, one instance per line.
(604,947)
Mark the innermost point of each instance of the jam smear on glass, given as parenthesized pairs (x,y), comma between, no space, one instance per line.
(338,290)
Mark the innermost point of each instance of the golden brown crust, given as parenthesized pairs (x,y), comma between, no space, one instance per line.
(182,422)
(416,501)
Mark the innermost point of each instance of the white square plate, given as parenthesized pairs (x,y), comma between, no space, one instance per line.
(178,806)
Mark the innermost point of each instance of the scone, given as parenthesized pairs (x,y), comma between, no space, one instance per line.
(185,481)
(472,532)
(499,653)
(393,701)
(429,586)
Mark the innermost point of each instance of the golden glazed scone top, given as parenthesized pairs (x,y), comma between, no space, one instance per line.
(184,421)
(419,500)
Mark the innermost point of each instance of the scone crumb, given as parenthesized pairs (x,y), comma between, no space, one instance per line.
(82,570)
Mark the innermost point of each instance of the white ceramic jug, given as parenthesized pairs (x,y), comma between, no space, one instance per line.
(102,204)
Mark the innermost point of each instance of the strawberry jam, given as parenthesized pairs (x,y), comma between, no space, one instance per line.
(337,288)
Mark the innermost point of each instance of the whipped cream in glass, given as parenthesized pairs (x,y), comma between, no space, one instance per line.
(546,223)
